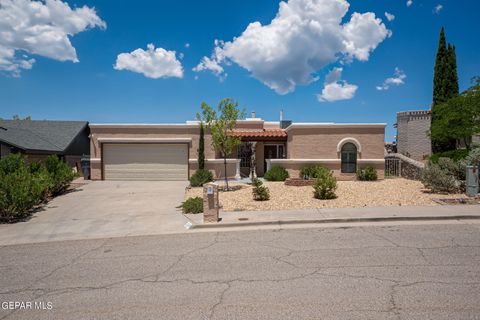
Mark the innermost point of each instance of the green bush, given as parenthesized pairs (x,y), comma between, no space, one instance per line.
(192,205)
(445,176)
(260,192)
(12,163)
(60,174)
(455,155)
(276,173)
(312,171)
(324,186)
(20,191)
(200,177)
(367,174)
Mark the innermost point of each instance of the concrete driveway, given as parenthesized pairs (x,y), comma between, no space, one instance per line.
(103,209)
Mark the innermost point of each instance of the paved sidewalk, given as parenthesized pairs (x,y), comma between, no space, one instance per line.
(305,216)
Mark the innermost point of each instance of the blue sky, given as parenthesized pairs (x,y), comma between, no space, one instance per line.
(54,87)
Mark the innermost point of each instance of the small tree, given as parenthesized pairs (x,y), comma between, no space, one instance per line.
(220,125)
(458,118)
(201,148)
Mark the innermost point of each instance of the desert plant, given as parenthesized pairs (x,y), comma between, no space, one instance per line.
(438,180)
(260,192)
(20,191)
(60,174)
(312,171)
(200,177)
(192,205)
(276,173)
(367,174)
(324,186)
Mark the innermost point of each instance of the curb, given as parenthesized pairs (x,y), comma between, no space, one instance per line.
(332,220)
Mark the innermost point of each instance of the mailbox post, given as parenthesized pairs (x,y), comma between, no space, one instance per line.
(472,181)
(210,203)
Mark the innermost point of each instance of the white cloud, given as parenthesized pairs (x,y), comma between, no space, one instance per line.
(304,37)
(40,28)
(409,3)
(152,63)
(389,16)
(187,45)
(438,8)
(336,89)
(397,80)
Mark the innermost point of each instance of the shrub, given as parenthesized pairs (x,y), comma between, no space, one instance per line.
(11,163)
(260,192)
(367,174)
(444,176)
(200,177)
(60,174)
(312,171)
(455,155)
(20,191)
(276,173)
(473,157)
(324,186)
(192,205)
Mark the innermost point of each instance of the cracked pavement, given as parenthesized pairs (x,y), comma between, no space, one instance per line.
(425,271)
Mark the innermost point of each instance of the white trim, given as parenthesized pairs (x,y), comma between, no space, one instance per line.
(144,140)
(303,160)
(370,161)
(351,140)
(144,125)
(334,125)
(95,160)
(229,160)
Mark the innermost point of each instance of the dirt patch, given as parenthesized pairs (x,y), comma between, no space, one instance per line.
(351,194)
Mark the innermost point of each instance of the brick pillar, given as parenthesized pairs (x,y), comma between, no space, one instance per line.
(210,203)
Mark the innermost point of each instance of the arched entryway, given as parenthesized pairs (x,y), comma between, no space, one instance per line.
(349,158)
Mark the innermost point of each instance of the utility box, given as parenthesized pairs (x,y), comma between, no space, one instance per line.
(210,203)
(472,181)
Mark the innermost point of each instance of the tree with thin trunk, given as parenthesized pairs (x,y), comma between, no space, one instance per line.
(220,125)
(201,148)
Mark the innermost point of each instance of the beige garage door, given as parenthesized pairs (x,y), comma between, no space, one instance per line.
(145,161)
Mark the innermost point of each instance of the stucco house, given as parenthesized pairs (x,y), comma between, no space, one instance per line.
(169,151)
(37,139)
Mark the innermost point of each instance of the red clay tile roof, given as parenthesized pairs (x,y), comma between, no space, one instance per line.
(274,133)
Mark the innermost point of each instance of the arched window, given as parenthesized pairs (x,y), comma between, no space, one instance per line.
(349,158)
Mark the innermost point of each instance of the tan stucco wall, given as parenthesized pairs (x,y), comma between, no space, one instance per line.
(321,143)
(294,168)
(217,169)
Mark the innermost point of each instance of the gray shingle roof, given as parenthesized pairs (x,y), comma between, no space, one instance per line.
(40,135)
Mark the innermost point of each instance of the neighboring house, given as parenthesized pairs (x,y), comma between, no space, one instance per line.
(413,128)
(37,139)
(169,151)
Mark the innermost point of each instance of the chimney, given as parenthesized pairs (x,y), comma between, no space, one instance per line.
(254,114)
(281,115)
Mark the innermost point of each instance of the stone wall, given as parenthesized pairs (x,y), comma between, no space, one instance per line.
(412,134)
(408,168)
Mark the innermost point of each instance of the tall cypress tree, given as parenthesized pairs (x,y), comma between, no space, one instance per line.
(440,71)
(445,85)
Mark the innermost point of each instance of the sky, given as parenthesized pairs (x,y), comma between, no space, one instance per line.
(157,61)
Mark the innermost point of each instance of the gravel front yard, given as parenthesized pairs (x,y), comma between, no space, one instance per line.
(388,192)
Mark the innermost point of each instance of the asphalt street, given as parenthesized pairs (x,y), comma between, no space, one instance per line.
(424,271)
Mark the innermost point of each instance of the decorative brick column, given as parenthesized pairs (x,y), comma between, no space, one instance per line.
(210,203)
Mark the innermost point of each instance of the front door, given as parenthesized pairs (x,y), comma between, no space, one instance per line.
(272,151)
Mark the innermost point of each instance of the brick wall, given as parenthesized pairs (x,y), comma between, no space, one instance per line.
(412,134)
